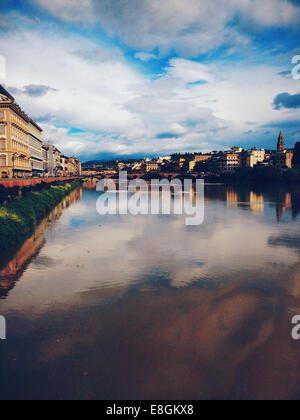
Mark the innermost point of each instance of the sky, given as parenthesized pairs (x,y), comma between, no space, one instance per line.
(133,78)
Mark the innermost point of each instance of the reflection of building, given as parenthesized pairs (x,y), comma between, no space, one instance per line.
(232,199)
(32,246)
(14,138)
(257,202)
(283,205)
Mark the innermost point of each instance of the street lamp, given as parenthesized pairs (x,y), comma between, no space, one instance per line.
(13,161)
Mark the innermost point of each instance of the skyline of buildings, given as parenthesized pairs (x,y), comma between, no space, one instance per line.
(222,162)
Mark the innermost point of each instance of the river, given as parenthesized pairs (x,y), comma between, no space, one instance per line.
(145,307)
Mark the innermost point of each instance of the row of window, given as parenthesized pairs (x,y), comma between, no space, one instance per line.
(19,147)
(16,119)
(35,154)
(24,163)
(18,134)
(34,131)
(35,143)
(36,165)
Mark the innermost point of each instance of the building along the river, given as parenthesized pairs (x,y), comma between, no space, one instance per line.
(282,158)
(14,138)
(22,152)
(250,158)
(49,159)
(35,149)
(74,166)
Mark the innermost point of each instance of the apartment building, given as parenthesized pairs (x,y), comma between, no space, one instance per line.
(199,158)
(229,162)
(74,167)
(48,159)
(203,158)
(14,138)
(35,149)
(252,157)
(152,166)
(22,152)
(64,165)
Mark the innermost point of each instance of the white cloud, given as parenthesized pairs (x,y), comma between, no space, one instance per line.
(143,56)
(189,71)
(93,88)
(189,27)
(70,10)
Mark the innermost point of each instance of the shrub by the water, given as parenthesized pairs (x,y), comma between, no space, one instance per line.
(19,217)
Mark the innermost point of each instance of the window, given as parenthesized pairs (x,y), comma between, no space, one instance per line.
(2,161)
(2,129)
(2,144)
(1,115)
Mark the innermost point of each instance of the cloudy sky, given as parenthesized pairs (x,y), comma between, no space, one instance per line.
(118,78)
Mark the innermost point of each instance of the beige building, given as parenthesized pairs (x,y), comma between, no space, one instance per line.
(202,158)
(14,138)
(74,167)
(283,159)
(229,162)
(253,157)
(192,165)
(152,166)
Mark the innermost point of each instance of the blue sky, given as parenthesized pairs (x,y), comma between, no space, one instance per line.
(119,78)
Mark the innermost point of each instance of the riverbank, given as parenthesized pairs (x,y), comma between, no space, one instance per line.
(260,176)
(19,217)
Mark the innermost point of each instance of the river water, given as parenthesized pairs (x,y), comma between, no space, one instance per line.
(145,307)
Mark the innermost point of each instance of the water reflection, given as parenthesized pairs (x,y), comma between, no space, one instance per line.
(32,246)
(145,307)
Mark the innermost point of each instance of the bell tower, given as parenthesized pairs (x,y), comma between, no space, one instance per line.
(280,144)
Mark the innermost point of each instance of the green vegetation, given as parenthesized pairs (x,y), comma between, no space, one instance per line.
(19,217)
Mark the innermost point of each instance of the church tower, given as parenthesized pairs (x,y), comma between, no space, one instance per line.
(280,144)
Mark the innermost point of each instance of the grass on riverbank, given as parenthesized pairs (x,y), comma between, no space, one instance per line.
(19,217)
